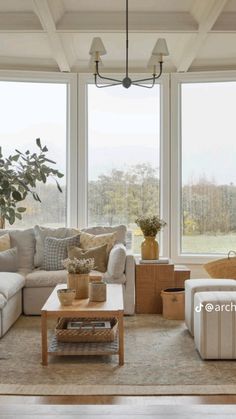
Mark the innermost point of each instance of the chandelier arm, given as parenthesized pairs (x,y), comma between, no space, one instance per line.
(143,85)
(154,77)
(105,85)
(105,78)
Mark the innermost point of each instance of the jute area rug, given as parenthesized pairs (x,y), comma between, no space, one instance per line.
(160,359)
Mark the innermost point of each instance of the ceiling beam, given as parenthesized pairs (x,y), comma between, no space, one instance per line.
(209,15)
(44,13)
(115,22)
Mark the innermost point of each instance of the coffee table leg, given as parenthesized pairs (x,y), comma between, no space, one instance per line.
(44,334)
(121,339)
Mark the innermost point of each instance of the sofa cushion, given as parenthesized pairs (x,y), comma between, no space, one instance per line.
(119,230)
(99,254)
(5,243)
(40,278)
(10,283)
(9,260)
(3,302)
(55,251)
(88,241)
(40,235)
(24,240)
(116,262)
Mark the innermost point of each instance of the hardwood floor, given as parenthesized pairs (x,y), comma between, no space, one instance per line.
(109,407)
(23,411)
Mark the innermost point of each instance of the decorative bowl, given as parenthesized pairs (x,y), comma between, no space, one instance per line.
(66,296)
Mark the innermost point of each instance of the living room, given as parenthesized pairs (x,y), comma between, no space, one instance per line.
(117,148)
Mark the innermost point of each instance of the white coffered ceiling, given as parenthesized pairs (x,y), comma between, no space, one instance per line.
(55,35)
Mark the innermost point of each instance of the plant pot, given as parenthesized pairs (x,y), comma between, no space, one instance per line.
(149,248)
(79,282)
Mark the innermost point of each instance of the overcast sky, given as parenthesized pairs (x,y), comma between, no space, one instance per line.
(124,125)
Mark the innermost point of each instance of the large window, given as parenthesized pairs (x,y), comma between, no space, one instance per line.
(123,156)
(30,110)
(208,149)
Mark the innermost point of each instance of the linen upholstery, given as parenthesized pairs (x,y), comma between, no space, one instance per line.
(10,283)
(55,251)
(116,262)
(5,243)
(120,231)
(24,240)
(41,278)
(198,285)
(215,331)
(9,260)
(88,241)
(40,235)
(3,302)
(99,254)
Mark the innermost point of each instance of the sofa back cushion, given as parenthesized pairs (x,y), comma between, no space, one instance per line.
(9,260)
(40,235)
(24,241)
(119,230)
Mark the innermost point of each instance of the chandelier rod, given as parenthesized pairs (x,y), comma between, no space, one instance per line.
(127,40)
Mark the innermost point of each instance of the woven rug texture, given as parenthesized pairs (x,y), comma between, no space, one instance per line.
(160,358)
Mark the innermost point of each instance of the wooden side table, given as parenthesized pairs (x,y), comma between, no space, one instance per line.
(150,279)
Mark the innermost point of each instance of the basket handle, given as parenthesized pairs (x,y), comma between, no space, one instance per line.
(231,251)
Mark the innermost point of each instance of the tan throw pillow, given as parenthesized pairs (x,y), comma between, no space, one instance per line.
(5,242)
(99,254)
(88,241)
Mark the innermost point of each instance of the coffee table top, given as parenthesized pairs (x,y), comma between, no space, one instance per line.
(113,303)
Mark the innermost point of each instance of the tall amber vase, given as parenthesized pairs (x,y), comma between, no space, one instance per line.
(149,248)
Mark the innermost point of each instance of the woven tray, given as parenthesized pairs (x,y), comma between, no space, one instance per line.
(222,268)
(80,335)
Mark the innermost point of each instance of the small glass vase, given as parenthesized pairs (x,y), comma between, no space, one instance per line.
(149,248)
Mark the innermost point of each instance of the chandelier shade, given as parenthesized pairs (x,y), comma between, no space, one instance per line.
(159,51)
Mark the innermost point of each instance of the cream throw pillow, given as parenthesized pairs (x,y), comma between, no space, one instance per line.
(87,241)
(5,242)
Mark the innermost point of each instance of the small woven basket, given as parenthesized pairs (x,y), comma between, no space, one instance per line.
(82,335)
(222,268)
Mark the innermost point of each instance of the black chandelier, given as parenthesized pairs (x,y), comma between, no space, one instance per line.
(97,49)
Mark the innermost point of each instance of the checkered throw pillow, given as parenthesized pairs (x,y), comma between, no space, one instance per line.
(55,251)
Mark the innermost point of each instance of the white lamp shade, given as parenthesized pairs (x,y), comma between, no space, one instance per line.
(97,46)
(154,60)
(160,47)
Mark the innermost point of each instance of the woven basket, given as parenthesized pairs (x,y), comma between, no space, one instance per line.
(80,335)
(222,268)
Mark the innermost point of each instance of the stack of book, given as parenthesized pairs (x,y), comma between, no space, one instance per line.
(155,261)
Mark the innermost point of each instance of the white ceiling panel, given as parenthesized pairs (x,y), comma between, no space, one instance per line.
(135,5)
(16,5)
(218,46)
(25,45)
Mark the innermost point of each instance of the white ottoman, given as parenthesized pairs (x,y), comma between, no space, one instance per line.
(215,324)
(197,285)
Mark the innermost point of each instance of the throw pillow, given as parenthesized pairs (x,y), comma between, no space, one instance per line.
(55,251)
(5,243)
(9,260)
(40,235)
(120,231)
(99,254)
(88,241)
(116,263)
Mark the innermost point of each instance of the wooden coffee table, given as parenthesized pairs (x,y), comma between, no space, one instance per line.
(112,307)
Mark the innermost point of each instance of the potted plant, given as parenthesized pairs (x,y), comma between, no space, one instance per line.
(78,275)
(19,174)
(150,226)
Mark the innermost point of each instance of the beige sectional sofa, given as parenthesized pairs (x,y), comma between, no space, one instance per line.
(27,289)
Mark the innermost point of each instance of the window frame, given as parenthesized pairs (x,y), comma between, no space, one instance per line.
(70,79)
(176,159)
(83,80)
